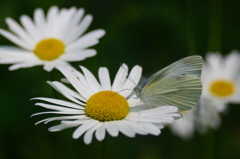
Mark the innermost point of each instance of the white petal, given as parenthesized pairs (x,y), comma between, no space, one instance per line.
(152,129)
(68,93)
(18,30)
(126,129)
(89,134)
(83,128)
(77,18)
(86,39)
(39,18)
(30,28)
(138,128)
(9,55)
(100,133)
(76,83)
(78,56)
(132,81)
(60,102)
(15,40)
(120,78)
(104,78)
(85,23)
(52,20)
(62,126)
(58,112)
(78,47)
(25,65)
(154,118)
(64,20)
(92,81)
(57,118)
(112,128)
(49,66)
(81,77)
(54,107)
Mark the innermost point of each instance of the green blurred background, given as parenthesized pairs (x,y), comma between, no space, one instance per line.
(150,33)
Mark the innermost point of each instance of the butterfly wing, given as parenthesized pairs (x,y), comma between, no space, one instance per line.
(182,91)
(178,84)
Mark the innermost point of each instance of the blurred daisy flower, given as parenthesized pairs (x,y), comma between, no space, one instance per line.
(207,116)
(221,80)
(99,107)
(221,86)
(185,126)
(51,41)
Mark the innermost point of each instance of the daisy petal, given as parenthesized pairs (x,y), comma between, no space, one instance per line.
(15,39)
(76,83)
(57,118)
(78,56)
(100,133)
(104,78)
(30,28)
(68,93)
(60,102)
(92,81)
(40,22)
(120,78)
(132,81)
(17,29)
(85,23)
(88,136)
(126,129)
(82,129)
(24,65)
(86,39)
(112,128)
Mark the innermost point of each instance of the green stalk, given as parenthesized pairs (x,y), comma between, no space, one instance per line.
(190,29)
(215,25)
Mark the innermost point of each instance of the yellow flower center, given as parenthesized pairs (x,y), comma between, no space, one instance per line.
(222,88)
(49,49)
(107,106)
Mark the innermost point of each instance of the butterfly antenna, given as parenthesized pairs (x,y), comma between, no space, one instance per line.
(121,91)
(128,77)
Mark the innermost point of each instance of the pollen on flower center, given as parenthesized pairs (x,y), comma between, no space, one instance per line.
(107,106)
(222,88)
(49,49)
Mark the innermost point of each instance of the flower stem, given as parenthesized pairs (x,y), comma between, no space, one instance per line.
(208,145)
(104,147)
(190,28)
(215,25)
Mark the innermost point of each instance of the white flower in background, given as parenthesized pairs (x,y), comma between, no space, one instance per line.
(221,79)
(185,126)
(207,116)
(97,107)
(221,86)
(51,41)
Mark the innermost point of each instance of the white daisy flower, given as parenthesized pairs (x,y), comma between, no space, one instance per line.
(221,86)
(102,107)
(185,126)
(207,116)
(51,41)
(221,80)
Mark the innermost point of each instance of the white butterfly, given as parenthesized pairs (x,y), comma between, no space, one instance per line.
(177,84)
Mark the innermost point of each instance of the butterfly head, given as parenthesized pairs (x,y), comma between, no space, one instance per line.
(137,91)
